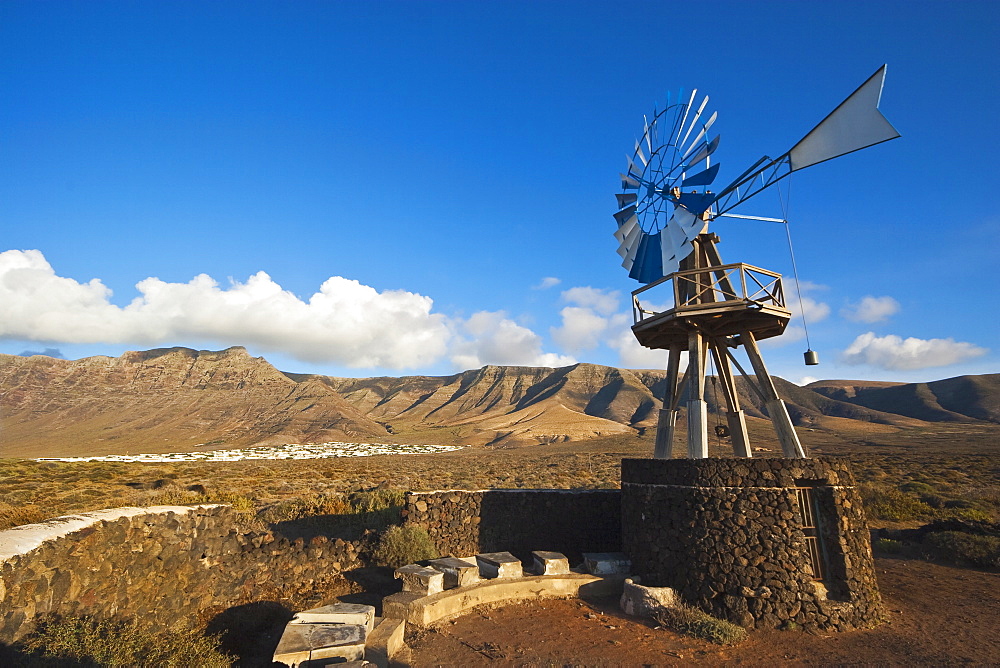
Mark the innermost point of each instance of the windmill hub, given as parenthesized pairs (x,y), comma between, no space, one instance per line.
(663,216)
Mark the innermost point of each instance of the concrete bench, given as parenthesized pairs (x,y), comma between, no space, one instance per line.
(422,611)
(338,613)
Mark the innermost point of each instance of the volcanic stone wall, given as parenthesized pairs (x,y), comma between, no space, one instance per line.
(463,523)
(730,536)
(158,565)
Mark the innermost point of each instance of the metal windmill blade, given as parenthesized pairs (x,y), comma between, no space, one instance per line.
(666,203)
(656,222)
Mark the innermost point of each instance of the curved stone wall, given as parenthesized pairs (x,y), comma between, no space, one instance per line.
(462,522)
(730,536)
(157,565)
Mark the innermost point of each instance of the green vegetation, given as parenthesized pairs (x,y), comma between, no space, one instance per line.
(888,546)
(83,641)
(889,503)
(966,548)
(697,624)
(401,545)
(918,500)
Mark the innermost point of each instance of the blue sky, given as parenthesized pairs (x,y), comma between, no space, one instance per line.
(393,188)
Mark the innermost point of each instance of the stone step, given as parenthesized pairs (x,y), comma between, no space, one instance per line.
(385,641)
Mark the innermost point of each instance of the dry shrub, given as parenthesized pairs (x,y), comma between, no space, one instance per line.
(382,498)
(16,515)
(402,545)
(693,622)
(86,641)
(307,506)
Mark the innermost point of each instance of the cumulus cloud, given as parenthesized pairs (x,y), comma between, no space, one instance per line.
(492,338)
(631,355)
(809,308)
(581,329)
(605,302)
(871,309)
(587,320)
(593,318)
(345,322)
(898,354)
(546,283)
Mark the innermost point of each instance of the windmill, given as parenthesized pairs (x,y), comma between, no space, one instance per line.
(663,216)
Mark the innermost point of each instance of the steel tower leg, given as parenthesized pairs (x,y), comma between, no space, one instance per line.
(790,445)
(735,416)
(697,408)
(667,422)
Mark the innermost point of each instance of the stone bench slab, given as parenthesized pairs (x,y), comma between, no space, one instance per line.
(424,611)
(305,642)
(606,563)
(550,563)
(420,579)
(338,613)
(499,565)
(458,572)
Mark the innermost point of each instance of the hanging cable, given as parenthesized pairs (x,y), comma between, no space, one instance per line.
(811,357)
(721,431)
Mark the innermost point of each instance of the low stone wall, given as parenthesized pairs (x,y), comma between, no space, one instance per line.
(159,565)
(730,535)
(462,522)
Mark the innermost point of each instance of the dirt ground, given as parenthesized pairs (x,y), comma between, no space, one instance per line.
(936,615)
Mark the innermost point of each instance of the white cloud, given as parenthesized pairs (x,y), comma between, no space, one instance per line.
(792,334)
(871,309)
(546,283)
(895,353)
(812,310)
(631,355)
(604,302)
(495,339)
(581,329)
(587,320)
(345,322)
(805,380)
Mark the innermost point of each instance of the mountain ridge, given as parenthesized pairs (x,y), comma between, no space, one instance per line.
(170,399)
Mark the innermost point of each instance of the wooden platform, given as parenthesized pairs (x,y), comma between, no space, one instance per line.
(714,319)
